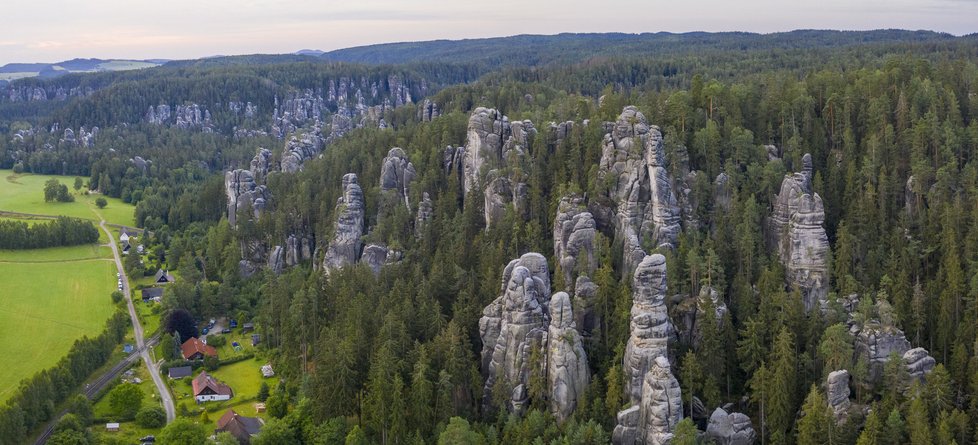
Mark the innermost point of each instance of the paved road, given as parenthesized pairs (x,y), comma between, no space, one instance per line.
(154,371)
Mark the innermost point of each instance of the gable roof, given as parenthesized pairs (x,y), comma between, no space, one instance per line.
(204,382)
(180,372)
(241,427)
(163,276)
(194,345)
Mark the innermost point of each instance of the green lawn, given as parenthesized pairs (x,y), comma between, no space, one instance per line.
(56,254)
(24,193)
(243,377)
(44,307)
(128,431)
(147,318)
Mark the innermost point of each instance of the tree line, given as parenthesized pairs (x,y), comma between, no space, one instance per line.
(63,231)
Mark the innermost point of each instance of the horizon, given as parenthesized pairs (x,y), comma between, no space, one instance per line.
(113,29)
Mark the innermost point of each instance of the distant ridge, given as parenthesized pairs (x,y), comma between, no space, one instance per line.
(13,71)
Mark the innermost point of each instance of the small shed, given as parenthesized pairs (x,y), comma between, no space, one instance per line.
(152,293)
(112,427)
(255,339)
(180,372)
(266,371)
(260,407)
(127,348)
(247,327)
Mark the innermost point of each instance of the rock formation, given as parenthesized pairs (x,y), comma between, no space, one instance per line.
(243,192)
(652,420)
(344,248)
(297,249)
(722,194)
(795,229)
(574,232)
(376,256)
(837,392)
(396,174)
(301,149)
(730,429)
(587,319)
(919,363)
(876,343)
(513,325)
(639,187)
(568,373)
(428,110)
(426,212)
(260,165)
(651,328)
(276,259)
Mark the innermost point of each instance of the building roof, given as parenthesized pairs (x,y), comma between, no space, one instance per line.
(163,276)
(152,292)
(241,427)
(180,372)
(194,345)
(204,382)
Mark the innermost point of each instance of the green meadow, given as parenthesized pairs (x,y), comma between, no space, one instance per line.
(24,193)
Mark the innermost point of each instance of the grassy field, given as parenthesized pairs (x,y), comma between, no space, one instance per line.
(129,432)
(24,193)
(44,307)
(243,377)
(56,254)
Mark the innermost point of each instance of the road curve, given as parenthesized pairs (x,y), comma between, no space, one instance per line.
(137,328)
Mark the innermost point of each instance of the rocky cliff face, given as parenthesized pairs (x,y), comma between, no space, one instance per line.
(568,373)
(525,322)
(795,230)
(638,185)
(574,232)
(396,175)
(652,420)
(428,110)
(426,212)
(344,247)
(837,392)
(730,429)
(300,149)
(876,342)
(243,192)
(651,329)
(261,165)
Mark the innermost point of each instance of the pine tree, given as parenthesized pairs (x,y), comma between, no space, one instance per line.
(784,372)
(872,430)
(918,423)
(815,426)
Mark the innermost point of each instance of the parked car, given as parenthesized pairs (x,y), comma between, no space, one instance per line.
(149,438)
(205,331)
(225,331)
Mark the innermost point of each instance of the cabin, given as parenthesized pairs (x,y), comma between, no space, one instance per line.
(180,372)
(195,349)
(247,327)
(241,427)
(124,236)
(152,294)
(126,247)
(255,339)
(208,389)
(163,277)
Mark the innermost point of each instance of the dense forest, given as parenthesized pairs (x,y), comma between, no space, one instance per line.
(730,238)
(63,231)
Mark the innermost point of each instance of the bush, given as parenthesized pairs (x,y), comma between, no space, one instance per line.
(116,297)
(101,202)
(125,400)
(151,417)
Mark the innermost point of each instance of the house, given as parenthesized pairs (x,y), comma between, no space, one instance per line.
(126,247)
(247,327)
(152,293)
(266,371)
(195,349)
(255,339)
(180,372)
(163,277)
(207,388)
(112,427)
(260,407)
(241,427)
(124,236)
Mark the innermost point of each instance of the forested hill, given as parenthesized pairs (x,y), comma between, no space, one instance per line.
(537,50)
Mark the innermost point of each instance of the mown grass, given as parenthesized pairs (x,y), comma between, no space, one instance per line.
(45,307)
(56,254)
(24,193)
(129,432)
(243,377)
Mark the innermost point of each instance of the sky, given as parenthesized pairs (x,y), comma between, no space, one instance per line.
(56,30)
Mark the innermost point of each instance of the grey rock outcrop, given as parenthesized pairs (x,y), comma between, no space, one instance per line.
(587,318)
(640,190)
(651,329)
(493,142)
(722,193)
(260,165)
(658,412)
(795,229)
(344,248)
(568,374)
(730,429)
(396,174)
(426,212)
(837,392)
(500,192)
(876,343)
(301,149)
(243,192)
(693,312)
(428,110)
(297,249)
(375,256)
(276,260)
(513,325)
(919,363)
(574,232)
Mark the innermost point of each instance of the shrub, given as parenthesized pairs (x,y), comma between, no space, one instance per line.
(151,417)
(101,202)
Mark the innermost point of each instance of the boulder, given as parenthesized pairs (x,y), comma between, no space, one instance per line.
(375,257)
(877,342)
(396,175)
(837,392)
(568,374)
(919,363)
(651,329)
(795,230)
(730,429)
(344,247)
